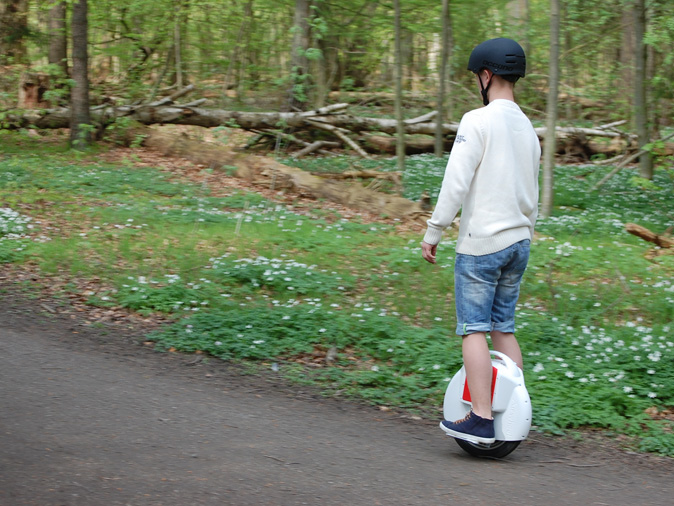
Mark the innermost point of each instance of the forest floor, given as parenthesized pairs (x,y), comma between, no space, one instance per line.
(91,415)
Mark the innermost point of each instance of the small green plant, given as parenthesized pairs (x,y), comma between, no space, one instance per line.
(12,223)
(168,295)
(279,275)
(119,129)
(85,132)
(12,250)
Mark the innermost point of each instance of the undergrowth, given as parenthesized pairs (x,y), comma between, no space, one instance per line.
(351,306)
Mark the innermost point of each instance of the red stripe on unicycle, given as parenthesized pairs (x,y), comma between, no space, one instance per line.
(466,392)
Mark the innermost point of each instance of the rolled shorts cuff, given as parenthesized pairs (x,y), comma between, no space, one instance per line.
(505,327)
(463,329)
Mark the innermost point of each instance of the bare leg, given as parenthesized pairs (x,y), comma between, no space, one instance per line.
(507,344)
(477,361)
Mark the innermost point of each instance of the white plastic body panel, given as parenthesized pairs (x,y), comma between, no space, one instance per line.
(511,406)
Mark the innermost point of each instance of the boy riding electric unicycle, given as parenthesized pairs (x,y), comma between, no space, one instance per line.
(511,407)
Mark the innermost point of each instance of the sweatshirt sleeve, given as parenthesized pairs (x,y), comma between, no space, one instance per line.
(533,217)
(463,161)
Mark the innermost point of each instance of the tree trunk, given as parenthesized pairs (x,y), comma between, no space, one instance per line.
(13,30)
(80,121)
(627,55)
(400,127)
(299,73)
(58,37)
(551,120)
(443,80)
(640,107)
(518,11)
(235,59)
(180,42)
(177,48)
(32,88)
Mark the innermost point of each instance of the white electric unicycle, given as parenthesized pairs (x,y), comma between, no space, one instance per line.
(511,407)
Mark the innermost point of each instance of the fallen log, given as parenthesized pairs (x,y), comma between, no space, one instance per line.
(173,97)
(421,119)
(413,145)
(575,143)
(314,146)
(647,235)
(590,132)
(307,146)
(149,114)
(376,177)
(361,174)
(341,134)
(627,159)
(267,171)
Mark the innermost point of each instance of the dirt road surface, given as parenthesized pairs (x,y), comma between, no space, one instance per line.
(92,417)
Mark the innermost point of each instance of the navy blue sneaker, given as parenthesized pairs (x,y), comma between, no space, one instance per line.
(472,428)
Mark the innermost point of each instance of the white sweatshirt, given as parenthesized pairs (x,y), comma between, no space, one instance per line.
(492,175)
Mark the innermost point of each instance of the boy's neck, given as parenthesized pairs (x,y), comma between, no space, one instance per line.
(501,89)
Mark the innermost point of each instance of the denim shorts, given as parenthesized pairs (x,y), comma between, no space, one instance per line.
(487,287)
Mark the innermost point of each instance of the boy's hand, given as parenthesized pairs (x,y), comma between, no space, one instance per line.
(428,251)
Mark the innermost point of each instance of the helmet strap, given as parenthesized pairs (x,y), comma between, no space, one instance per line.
(484,91)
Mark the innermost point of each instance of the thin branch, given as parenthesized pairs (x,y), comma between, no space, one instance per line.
(624,162)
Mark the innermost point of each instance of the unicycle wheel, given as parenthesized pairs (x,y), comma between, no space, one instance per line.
(496,450)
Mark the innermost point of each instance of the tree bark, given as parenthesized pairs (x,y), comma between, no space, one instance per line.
(178,45)
(361,174)
(627,50)
(400,127)
(13,30)
(32,88)
(235,54)
(518,11)
(443,80)
(640,104)
(551,119)
(299,73)
(647,235)
(413,146)
(80,121)
(58,37)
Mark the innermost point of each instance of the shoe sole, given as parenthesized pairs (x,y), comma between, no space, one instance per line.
(468,437)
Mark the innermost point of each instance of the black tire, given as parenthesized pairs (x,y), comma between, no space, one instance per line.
(496,450)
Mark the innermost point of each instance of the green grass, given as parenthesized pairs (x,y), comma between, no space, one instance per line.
(250,279)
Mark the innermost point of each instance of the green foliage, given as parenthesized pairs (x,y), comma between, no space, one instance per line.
(248,279)
(12,223)
(12,250)
(168,295)
(248,44)
(279,275)
(281,331)
(119,129)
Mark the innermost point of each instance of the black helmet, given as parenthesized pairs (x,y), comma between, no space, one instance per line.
(504,57)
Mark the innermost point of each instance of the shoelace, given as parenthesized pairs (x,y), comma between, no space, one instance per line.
(465,418)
